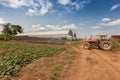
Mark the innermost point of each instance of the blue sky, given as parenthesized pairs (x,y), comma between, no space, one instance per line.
(84,17)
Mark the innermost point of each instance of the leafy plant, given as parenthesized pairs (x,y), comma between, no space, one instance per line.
(15,56)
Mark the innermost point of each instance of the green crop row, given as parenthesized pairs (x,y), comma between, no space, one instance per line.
(14,56)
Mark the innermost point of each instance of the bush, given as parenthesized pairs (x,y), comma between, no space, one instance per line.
(6,37)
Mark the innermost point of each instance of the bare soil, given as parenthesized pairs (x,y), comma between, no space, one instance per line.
(94,64)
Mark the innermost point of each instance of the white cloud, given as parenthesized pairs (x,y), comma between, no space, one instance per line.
(18,3)
(32,12)
(43,7)
(73,5)
(64,2)
(109,22)
(39,27)
(113,23)
(14,3)
(106,20)
(114,7)
(53,27)
(58,27)
(2,21)
(71,26)
(81,4)
(1,29)
(77,6)
(39,7)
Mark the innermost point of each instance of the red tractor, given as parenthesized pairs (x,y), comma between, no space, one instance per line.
(102,42)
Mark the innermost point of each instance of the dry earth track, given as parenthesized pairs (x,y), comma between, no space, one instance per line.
(95,65)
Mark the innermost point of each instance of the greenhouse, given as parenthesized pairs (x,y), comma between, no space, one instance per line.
(47,36)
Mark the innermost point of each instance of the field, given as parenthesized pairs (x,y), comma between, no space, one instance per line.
(31,61)
(14,56)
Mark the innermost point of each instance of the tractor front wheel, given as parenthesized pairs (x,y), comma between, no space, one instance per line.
(87,45)
(106,45)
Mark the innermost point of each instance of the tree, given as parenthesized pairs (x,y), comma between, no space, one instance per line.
(6,29)
(16,29)
(11,29)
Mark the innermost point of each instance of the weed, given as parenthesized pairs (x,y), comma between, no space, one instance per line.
(55,72)
(70,55)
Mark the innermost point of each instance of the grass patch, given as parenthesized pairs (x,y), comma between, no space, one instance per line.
(115,43)
(78,42)
(70,55)
(71,52)
(55,72)
(14,56)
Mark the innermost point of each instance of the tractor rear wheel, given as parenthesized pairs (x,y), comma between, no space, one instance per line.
(87,45)
(106,45)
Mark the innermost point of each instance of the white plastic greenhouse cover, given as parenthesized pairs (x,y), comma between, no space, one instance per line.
(61,33)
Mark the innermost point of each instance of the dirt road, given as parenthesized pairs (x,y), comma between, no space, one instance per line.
(95,65)
(91,64)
